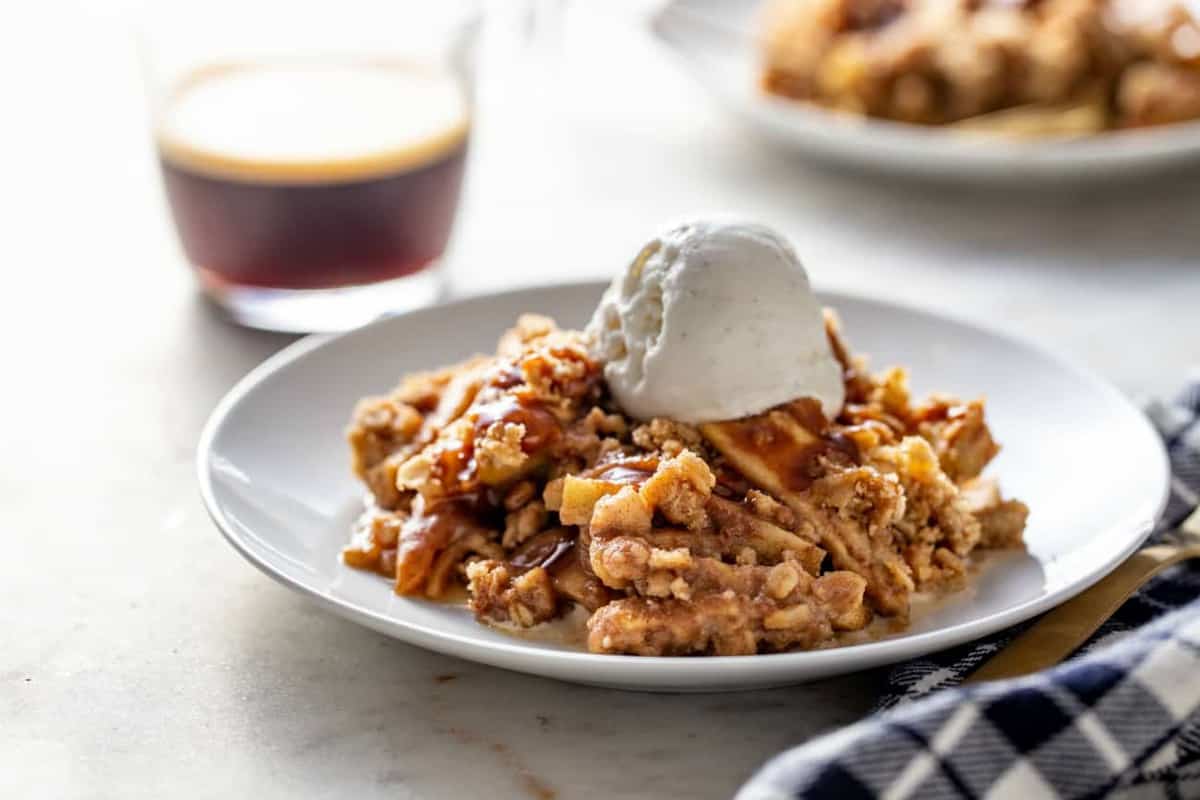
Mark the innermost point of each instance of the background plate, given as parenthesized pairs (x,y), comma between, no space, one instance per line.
(716,40)
(274,474)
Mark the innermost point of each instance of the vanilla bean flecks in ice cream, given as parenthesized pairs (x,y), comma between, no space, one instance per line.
(714,319)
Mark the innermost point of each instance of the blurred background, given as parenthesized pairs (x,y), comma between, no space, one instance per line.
(588,135)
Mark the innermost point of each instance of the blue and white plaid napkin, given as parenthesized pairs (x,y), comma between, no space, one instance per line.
(1122,717)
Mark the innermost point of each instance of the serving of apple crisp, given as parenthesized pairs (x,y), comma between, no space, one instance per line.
(705,470)
(518,475)
(1019,67)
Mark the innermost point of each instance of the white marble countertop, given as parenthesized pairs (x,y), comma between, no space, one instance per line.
(141,657)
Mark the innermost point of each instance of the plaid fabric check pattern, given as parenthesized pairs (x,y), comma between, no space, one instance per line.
(1121,718)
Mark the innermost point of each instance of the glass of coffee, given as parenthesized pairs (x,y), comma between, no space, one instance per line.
(312,159)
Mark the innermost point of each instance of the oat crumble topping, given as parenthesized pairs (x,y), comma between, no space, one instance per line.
(516,475)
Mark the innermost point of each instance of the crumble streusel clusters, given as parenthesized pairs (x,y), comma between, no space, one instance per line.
(517,475)
(1057,66)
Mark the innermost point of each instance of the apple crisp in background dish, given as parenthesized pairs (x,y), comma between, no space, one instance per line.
(518,475)
(1019,67)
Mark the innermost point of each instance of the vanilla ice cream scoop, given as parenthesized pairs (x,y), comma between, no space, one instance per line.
(714,320)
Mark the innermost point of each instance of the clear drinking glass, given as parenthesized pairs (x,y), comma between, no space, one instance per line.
(312,154)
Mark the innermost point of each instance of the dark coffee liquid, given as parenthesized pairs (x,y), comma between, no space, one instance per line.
(314,174)
(314,235)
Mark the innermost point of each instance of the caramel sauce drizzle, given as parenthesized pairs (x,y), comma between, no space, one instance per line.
(542,428)
(631,471)
(544,549)
(789,440)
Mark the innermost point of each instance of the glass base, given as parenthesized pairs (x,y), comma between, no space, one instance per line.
(322,310)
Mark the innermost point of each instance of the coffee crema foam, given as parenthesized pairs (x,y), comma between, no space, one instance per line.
(313,122)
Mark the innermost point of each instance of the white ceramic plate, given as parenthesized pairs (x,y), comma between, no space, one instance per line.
(274,473)
(716,40)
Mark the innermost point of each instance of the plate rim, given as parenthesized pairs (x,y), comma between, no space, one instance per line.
(510,655)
